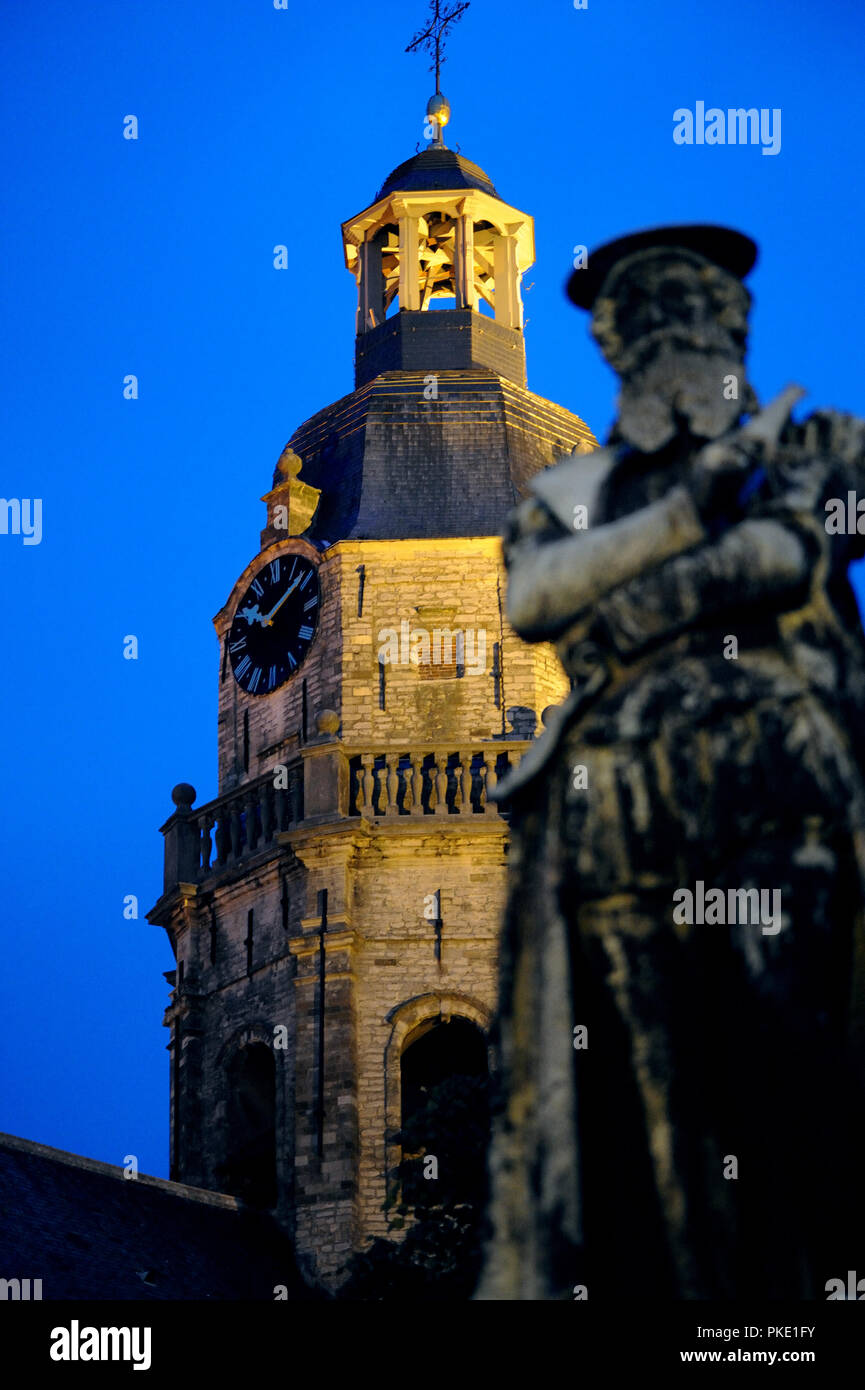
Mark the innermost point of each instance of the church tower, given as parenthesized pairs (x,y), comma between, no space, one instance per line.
(334,909)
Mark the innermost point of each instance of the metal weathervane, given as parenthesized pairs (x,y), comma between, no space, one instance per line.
(432,38)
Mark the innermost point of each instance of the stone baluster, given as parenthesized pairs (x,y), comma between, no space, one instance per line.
(412,800)
(407,779)
(432,774)
(266,795)
(234,829)
(366,779)
(416,775)
(458,785)
(221,837)
(490,779)
(440,783)
(390,781)
(380,795)
(208,820)
(464,783)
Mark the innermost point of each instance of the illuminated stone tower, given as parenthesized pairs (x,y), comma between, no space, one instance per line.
(334,910)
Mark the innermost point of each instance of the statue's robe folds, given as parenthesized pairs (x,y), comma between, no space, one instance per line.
(704,1142)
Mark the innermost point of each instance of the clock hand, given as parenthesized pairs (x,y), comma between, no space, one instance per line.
(267,620)
(252,615)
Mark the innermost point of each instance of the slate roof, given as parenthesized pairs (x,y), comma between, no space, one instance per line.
(435,168)
(89,1233)
(389,466)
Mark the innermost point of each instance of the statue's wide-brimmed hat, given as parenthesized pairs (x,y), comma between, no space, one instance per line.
(732,251)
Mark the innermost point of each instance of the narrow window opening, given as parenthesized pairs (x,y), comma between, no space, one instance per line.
(249,940)
(361,581)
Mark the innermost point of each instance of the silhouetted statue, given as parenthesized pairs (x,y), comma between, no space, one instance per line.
(682,962)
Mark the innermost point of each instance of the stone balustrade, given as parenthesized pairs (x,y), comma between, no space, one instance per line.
(439,781)
(230,828)
(333,782)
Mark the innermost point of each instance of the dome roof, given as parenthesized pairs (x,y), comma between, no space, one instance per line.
(435,168)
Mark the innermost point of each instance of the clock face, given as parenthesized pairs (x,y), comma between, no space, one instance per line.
(274,624)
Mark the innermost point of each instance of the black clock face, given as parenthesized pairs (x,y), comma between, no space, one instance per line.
(274,624)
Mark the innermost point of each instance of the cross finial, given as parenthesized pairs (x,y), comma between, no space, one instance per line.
(432,38)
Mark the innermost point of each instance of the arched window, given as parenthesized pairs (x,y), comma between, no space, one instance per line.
(250,1167)
(444,1096)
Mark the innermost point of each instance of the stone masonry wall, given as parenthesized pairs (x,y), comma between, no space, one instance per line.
(456,584)
(382,976)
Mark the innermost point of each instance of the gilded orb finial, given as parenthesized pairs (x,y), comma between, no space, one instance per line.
(289,463)
(438,110)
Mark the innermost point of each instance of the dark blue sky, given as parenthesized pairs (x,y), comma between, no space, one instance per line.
(260,126)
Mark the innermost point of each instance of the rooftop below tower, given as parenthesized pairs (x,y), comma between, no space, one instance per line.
(395,460)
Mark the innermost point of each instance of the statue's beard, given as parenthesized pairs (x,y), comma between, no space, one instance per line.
(671,385)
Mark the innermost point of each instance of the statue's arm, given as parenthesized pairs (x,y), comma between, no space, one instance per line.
(552,578)
(767,557)
(762,562)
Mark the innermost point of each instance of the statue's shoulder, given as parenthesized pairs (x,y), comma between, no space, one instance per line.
(575,482)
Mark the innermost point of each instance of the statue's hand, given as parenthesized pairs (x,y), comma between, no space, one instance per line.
(718,475)
(729,472)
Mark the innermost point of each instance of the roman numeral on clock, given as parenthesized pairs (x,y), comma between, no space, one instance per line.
(243,667)
(253,680)
(305,632)
(274,569)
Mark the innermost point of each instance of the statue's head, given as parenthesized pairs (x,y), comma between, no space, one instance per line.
(670,315)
